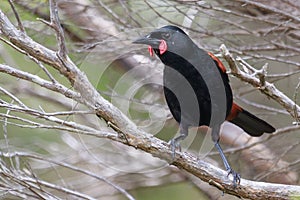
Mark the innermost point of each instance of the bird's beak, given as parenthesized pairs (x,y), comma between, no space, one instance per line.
(148,40)
(153,43)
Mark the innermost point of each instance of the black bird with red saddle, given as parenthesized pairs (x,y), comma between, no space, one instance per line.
(197,89)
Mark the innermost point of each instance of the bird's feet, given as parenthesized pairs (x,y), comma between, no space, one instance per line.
(236,177)
(174,144)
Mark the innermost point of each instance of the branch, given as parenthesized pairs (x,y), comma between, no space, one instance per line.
(41,82)
(259,82)
(130,135)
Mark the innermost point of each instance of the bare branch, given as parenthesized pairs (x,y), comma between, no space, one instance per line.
(75,127)
(68,166)
(265,87)
(41,82)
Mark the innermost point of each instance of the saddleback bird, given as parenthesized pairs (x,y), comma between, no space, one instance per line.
(197,89)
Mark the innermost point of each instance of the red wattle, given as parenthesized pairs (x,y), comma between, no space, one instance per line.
(162,47)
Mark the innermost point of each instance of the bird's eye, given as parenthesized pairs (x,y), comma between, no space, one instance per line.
(165,36)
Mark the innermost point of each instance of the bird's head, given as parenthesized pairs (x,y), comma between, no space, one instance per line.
(166,39)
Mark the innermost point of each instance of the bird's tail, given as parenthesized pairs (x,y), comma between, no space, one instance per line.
(251,124)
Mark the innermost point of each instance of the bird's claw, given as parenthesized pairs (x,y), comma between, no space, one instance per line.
(236,177)
(174,145)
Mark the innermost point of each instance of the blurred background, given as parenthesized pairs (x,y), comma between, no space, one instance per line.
(98,36)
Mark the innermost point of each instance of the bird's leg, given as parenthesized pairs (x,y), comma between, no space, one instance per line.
(236,176)
(175,142)
(216,137)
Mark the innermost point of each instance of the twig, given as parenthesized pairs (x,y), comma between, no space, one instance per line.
(112,13)
(13,97)
(270,8)
(55,24)
(5,134)
(295,97)
(20,25)
(34,125)
(275,170)
(278,132)
(35,184)
(75,127)
(260,106)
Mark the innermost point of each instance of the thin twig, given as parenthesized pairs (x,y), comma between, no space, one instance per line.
(13,97)
(260,106)
(278,132)
(20,24)
(75,127)
(295,97)
(270,8)
(55,24)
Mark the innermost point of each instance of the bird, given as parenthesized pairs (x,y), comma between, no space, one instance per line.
(197,89)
